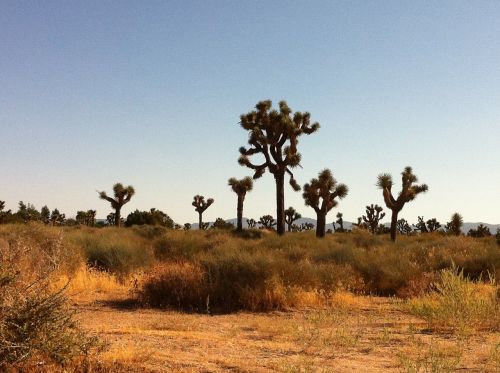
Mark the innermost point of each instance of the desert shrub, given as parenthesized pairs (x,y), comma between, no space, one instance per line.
(180,285)
(459,303)
(150,232)
(35,322)
(115,250)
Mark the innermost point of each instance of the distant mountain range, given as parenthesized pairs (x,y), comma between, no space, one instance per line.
(348,225)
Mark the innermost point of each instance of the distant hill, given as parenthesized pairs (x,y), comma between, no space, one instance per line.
(348,225)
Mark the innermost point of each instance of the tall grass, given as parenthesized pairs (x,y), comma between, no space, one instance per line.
(265,272)
(459,303)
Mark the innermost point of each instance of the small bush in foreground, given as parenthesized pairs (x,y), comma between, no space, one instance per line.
(36,323)
(459,304)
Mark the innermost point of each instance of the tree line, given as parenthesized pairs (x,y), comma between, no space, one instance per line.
(274,135)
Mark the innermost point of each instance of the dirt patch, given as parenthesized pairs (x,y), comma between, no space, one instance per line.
(371,334)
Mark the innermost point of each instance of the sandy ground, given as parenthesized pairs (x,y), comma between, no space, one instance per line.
(364,334)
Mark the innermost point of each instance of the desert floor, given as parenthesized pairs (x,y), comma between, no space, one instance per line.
(354,334)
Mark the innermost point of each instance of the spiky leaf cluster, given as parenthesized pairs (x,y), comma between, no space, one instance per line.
(274,134)
(325,187)
(241,187)
(200,204)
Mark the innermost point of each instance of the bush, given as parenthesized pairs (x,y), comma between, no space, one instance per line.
(35,323)
(117,250)
(459,304)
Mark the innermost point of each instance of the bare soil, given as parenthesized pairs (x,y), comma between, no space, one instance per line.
(363,334)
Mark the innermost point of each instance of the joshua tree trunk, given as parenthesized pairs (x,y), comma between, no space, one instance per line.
(280,202)
(320,223)
(239,226)
(394,221)
(117,217)
(200,221)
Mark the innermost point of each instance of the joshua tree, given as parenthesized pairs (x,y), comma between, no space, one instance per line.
(290,216)
(3,214)
(455,225)
(407,194)
(326,188)
(267,221)
(251,223)
(306,226)
(421,226)
(200,205)
(340,222)
(204,226)
(86,217)
(274,134)
(373,216)
(480,231)
(45,214)
(57,218)
(240,187)
(433,225)
(187,226)
(122,196)
(403,227)
(220,223)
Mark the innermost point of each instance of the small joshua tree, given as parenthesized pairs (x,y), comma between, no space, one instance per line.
(45,214)
(220,223)
(57,218)
(433,225)
(481,231)
(326,188)
(200,205)
(240,187)
(340,222)
(306,226)
(267,221)
(251,223)
(187,226)
(274,134)
(3,214)
(122,196)
(454,226)
(373,216)
(290,216)
(407,194)
(403,227)
(421,226)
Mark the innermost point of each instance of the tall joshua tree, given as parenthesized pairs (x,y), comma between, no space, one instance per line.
(326,188)
(407,194)
(290,216)
(274,134)
(240,187)
(123,196)
(200,205)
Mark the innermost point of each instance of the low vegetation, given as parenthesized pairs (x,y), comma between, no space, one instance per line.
(222,271)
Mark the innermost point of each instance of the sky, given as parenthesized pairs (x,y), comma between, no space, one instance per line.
(150,94)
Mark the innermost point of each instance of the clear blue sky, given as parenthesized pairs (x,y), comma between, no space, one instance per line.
(150,93)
